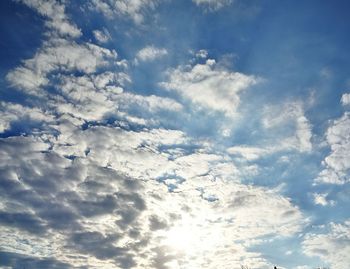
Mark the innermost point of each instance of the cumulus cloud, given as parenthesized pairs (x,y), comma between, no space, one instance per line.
(209,86)
(150,53)
(332,246)
(57,19)
(345,99)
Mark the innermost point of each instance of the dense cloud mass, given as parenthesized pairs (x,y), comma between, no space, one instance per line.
(197,172)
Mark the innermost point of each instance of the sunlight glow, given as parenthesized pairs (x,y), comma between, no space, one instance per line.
(193,237)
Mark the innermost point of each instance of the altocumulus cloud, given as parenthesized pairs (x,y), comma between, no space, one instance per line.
(92,176)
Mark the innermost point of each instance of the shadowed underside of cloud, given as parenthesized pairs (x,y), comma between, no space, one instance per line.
(93,206)
(15,260)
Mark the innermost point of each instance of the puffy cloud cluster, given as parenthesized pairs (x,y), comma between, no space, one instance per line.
(97,196)
(61,55)
(12,113)
(70,77)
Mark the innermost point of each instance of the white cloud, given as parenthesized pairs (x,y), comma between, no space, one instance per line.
(10,112)
(91,97)
(202,54)
(321,199)
(337,163)
(102,36)
(62,55)
(26,78)
(240,213)
(150,53)
(212,5)
(152,103)
(332,247)
(55,13)
(135,9)
(210,87)
(345,99)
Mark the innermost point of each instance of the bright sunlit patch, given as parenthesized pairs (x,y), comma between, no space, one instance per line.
(182,238)
(193,237)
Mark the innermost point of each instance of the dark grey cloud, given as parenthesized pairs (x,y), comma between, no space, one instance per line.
(99,206)
(65,197)
(59,216)
(102,247)
(24,221)
(19,261)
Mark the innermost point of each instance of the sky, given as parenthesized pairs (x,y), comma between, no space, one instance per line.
(174,134)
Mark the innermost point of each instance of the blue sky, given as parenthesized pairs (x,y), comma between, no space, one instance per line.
(171,134)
